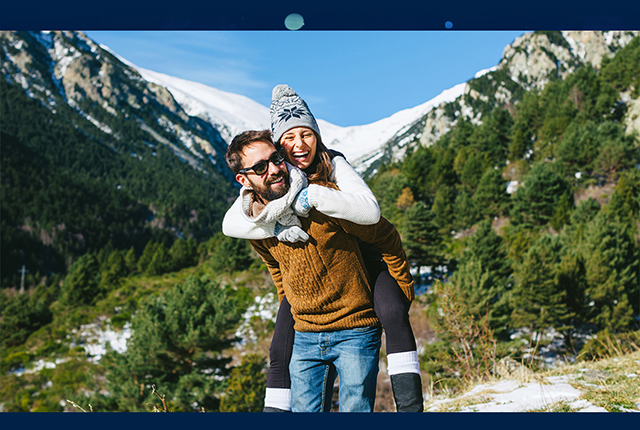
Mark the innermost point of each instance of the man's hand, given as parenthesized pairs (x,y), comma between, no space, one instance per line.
(301,205)
(290,233)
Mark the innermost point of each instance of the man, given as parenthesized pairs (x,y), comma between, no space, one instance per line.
(323,279)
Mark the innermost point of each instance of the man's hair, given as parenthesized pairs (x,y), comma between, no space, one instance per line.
(237,145)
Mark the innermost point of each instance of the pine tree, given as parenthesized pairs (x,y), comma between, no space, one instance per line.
(22,314)
(525,128)
(131,260)
(417,170)
(585,211)
(147,256)
(494,136)
(572,275)
(114,269)
(461,134)
(231,254)
(483,278)
(388,187)
(443,209)
(160,262)
(246,388)
(579,146)
(421,239)
(489,249)
(474,167)
(618,150)
(625,200)
(491,196)
(81,285)
(557,114)
(177,345)
(621,73)
(184,253)
(535,202)
(613,263)
(562,213)
(443,172)
(539,300)
(465,211)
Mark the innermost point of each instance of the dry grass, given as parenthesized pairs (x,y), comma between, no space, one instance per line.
(612,384)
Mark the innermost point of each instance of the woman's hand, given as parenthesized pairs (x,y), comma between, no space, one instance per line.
(290,233)
(301,205)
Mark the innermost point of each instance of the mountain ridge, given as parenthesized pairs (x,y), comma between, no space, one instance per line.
(197,121)
(68,67)
(352,141)
(527,63)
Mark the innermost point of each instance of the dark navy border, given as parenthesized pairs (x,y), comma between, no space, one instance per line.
(258,421)
(320,15)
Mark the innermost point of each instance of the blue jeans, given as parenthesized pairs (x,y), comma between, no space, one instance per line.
(317,357)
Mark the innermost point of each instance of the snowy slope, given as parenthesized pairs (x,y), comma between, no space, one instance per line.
(357,141)
(233,113)
(501,395)
(229,113)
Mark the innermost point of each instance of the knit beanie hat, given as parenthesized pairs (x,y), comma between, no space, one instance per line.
(287,111)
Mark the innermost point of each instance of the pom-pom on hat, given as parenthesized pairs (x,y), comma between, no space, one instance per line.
(287,111)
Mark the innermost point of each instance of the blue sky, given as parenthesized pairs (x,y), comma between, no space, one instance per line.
(347,77)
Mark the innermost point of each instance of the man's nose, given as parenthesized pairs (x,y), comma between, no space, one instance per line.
(274,169)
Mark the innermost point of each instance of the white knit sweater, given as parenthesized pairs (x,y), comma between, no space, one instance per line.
(354,202)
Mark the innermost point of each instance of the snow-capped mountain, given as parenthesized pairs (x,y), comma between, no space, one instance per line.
(83,70)
(229,113)
(233,113)
(358,143)
(526,64)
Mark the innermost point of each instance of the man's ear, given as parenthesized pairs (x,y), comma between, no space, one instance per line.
(242,179)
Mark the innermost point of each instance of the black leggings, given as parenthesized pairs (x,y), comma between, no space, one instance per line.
(389,303)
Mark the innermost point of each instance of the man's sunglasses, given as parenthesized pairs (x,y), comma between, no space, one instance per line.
(262,166)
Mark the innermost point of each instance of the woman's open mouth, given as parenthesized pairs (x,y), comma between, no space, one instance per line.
(300,155)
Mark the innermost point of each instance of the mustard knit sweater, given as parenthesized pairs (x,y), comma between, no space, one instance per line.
(324,279)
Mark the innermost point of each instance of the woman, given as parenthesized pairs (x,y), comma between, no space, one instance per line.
(337,190)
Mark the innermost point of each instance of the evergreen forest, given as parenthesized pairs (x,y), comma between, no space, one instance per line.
(554,262)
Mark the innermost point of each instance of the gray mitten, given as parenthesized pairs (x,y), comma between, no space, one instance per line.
(290,233)
(301,205)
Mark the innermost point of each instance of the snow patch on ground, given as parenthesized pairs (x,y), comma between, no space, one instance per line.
(264,308)
(95,337)
(515,396)
(38,366)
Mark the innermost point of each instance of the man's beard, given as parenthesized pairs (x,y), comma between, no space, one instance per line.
(269,194)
